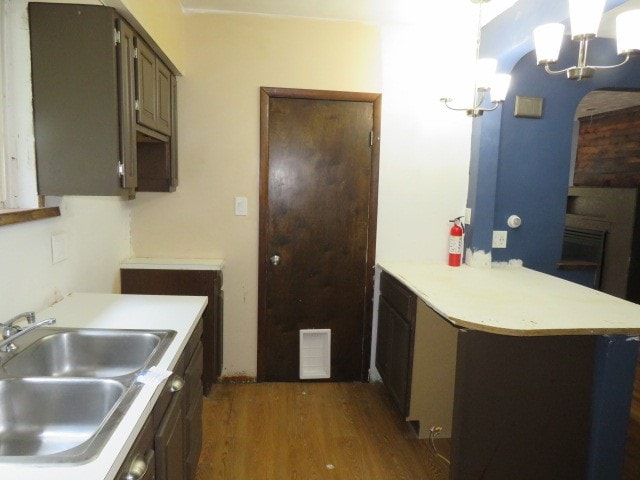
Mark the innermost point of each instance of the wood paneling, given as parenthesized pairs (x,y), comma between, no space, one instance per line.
(278,431)
(608,153)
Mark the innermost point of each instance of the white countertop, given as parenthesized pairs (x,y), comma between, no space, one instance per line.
(173,263)
(516,300)
(179,313)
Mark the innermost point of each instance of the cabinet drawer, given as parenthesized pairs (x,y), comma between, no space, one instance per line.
(398,296)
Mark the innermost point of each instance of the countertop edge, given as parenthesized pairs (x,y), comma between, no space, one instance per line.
(154,263)
(459,321)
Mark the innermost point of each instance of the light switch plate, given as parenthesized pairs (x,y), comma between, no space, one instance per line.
(58,247)
(241,206)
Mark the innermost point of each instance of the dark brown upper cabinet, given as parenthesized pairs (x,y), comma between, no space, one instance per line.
(91,97)
(153,90)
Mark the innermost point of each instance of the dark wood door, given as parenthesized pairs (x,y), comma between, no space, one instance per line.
(318,210)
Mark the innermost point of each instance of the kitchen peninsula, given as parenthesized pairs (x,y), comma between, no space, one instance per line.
(504,360)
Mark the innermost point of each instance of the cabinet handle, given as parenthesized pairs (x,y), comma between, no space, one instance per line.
(137,469)
(176,384)
(275,260)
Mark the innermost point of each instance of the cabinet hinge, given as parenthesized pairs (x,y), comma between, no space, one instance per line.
(121,169)
(137,105)
(371,138)
(116,36)
(135,52)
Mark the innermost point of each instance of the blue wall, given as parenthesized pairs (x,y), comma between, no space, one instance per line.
(509,39)
(535,154)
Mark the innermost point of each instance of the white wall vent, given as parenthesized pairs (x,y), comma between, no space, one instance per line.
(315,353)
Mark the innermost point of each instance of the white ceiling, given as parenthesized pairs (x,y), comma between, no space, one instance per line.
(367,11)
(382,12)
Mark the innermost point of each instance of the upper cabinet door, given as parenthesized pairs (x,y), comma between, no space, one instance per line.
(126,98)
(154,90)
(146,72)
(163,97)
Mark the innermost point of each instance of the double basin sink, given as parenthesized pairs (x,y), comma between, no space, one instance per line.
(63,392)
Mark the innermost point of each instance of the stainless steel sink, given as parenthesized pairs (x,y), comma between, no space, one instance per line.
(87,353)
(44,416)
(64,391)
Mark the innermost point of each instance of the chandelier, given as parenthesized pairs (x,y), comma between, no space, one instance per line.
(486,80)
(585,16)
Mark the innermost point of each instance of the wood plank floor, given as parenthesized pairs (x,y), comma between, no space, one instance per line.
(306,431)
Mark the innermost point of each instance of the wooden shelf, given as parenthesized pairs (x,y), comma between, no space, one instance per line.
(9,217)
(577,265)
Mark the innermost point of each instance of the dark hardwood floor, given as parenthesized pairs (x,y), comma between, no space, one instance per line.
(287,431)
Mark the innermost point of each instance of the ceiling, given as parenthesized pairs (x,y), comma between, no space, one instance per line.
(384,12)
(367,11)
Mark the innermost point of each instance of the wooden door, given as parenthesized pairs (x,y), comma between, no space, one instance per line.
(318,204)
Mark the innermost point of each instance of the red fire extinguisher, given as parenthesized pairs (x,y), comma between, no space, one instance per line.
(455,242)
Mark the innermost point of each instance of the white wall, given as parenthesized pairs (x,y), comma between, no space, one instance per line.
(424,167)
(95,230)
(424,157)
(231,57)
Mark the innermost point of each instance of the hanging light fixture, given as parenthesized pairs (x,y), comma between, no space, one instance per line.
(585,16)
(486,80)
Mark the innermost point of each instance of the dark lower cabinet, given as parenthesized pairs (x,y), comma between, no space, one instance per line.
(193,413)
(514,407)
(169,445)
(140,463)
(394,348)
(169,441)
(204,282)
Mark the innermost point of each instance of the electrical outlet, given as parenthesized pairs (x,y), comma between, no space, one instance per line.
(499,239)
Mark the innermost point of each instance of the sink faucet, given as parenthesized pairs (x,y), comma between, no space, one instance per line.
(8,329)
(7,344)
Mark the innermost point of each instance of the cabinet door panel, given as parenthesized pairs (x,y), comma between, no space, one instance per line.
(383,344)
(400,361)
(141,449)
(146,73)
(163,98)
(126,97)
(75,99)
(173,183)
(394,353)
(169,442)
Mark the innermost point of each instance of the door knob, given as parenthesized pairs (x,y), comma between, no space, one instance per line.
(275,259)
